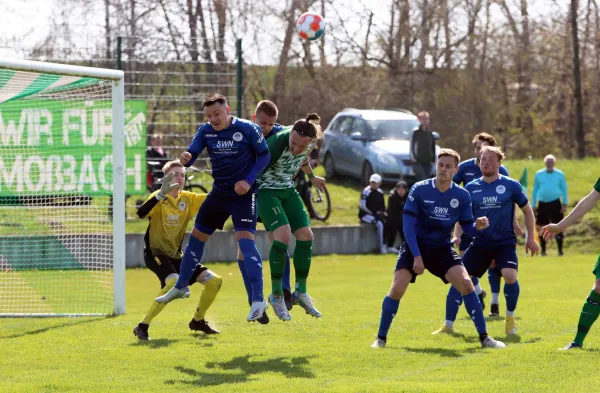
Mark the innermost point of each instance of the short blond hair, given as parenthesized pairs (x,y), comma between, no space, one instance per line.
(494,149)
(449,153)
(172,164)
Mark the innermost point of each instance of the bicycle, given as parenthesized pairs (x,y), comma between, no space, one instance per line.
(317,202)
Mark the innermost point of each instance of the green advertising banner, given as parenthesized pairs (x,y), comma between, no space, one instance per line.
(65,147)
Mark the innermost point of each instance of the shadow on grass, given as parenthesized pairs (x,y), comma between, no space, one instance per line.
(154,344)
(59,325)
(444,352)
(245,369)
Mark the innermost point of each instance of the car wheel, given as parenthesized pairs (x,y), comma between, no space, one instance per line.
(366,173)
(329,167)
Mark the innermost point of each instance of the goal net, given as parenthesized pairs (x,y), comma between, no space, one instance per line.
(62,233)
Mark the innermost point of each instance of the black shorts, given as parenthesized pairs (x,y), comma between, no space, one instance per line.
(164,266)
(478,259)
(216,209)
(465,241)
(549,212)
(438,260)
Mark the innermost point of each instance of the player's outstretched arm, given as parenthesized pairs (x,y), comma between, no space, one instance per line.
(188,157)
(584,206)
(530,243)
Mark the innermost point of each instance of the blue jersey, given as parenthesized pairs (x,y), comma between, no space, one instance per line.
(468,171)
(232,151)
(276,128)
(437,212)
(496,201)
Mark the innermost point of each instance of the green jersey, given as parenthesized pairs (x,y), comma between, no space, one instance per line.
(597,185)
(283,165)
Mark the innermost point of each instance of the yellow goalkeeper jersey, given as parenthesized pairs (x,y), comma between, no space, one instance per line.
(169,220)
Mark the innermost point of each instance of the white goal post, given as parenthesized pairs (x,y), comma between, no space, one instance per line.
(63,174)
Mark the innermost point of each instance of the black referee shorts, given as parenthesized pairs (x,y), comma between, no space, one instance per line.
(549,213)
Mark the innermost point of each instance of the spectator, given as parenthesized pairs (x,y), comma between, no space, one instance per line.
(549,186)
(422,148)
(156,158)
(372,208)
(396,203)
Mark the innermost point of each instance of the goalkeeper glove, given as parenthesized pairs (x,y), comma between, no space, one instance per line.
(167,187)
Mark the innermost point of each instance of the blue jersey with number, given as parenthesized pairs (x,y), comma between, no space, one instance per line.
(496,201)
(437,212)
(232,151)
(468,171)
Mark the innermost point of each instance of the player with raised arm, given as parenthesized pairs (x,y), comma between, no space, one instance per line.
(169,211)
(238,154)
(468,171)
(494,196)
(282,210)
(591,307)
(265,116)
(433,207)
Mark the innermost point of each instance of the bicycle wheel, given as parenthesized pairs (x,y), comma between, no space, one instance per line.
(320,204)
(197,188)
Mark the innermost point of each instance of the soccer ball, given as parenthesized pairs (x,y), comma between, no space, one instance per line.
(310,26)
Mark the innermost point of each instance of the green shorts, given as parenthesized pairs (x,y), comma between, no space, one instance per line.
(278,207)
(596,270)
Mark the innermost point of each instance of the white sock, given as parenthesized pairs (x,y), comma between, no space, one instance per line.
(449,324)
(478,289)
(495,298)
(510,313)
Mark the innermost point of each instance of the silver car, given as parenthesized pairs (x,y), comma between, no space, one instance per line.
(358,143)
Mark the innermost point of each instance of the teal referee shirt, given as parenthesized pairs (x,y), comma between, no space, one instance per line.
(549,186)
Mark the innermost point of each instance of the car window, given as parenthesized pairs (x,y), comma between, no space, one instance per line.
(346,126)
(336,124)
(391,129)
(359,126)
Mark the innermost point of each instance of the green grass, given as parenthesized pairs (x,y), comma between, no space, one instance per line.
(330,354)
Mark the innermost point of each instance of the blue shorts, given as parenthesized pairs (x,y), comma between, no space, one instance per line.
(477,259)
(217,208)
(438,260)
(465,240)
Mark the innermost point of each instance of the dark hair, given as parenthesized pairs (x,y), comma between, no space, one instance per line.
(402,183)
(309,127)
(214,99)
(484,137)
(268,108)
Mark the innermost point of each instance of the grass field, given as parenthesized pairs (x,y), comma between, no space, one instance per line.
(330,354)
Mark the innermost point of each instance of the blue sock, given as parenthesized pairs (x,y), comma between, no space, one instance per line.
(511,294)
(286,273)
(475,311)
(389,308)
(475,281)
(191,259)
(247,285)
(494,281)
(453,303)
(253,262)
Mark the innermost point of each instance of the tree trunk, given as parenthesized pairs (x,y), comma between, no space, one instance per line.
(107,30)
(281,75)
(579,130)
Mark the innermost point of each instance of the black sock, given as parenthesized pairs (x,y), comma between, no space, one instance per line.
(543,245)
(559,242)
(482,336)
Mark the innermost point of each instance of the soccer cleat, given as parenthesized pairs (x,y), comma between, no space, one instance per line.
(482,296)
(141,332)
(256,311)
(573,345)
(264,319)
(489,342)
(378,343)
(511,325)
(303,300)
(444,329)
(494,310)
(287,298)
(202,326)
(174,293)
(279,307)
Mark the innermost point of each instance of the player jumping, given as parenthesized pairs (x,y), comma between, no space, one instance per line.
(169,211)
(494,196)
(282,210)
(433,207)
(238,154)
